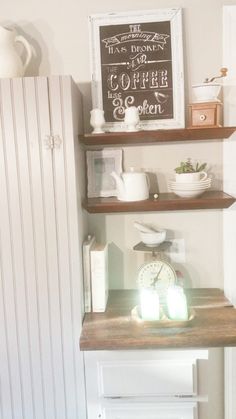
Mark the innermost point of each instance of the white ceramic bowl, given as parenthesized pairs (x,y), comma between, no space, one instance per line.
(189,194)
(152,239)
(206,92)
(191,188)
(190,184)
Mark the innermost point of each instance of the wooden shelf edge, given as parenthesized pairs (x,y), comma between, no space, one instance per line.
(214,325)
(145,345)
(157,136)
(165,202)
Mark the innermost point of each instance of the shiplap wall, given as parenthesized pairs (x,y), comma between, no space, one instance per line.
(41,368)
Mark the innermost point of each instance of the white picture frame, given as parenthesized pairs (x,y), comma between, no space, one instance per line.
(107,70)
(100,164)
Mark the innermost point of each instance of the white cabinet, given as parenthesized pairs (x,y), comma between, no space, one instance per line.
(146,378)
(151,411)
(143,384)
(40,265)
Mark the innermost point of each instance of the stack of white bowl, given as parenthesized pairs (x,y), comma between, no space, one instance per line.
(187,186)
(149,235)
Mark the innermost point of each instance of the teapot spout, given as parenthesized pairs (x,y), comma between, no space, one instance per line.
(119,185)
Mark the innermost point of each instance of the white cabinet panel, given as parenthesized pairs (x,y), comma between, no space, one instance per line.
(144,384)
(229,216)
(152,411)
(146,378)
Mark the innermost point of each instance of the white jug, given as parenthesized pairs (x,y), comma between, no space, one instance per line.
(11,64)
(132,186)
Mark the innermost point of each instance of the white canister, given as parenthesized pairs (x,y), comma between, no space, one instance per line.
(177,303)
(149,304)
(131,118)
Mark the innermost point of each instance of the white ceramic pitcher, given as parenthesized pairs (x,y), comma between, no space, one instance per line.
(131,186)
(11,64)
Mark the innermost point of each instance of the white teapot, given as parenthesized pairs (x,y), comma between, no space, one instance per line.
(131,186)
(11,64)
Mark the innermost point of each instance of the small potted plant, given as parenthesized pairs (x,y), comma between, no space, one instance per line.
(188,172)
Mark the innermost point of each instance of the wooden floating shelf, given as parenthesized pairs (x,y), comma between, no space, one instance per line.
(165,202)
(157,136)
(213,325)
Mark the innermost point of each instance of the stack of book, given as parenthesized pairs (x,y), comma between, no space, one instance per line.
(95,270)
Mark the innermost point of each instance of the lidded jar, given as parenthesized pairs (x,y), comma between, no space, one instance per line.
(177,303)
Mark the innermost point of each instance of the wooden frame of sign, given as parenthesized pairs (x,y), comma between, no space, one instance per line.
(137,60)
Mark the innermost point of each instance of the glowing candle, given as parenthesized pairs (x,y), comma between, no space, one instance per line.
(149,303)
(177,303)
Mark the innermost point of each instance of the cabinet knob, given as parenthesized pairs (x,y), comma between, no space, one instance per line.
(57,141)
(202,117)
(48,141)
(52,141)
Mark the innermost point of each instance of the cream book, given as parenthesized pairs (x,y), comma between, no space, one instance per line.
(99,276)
(87,245)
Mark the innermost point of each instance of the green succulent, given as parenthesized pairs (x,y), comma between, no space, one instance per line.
(188,167)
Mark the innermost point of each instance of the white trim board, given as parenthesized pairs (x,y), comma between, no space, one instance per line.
(229,216)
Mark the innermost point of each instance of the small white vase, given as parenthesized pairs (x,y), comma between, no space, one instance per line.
(131,118)
(97,120)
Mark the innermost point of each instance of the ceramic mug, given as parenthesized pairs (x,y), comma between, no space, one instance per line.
(190,177)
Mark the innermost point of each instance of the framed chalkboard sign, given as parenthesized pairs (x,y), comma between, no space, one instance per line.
(137,60)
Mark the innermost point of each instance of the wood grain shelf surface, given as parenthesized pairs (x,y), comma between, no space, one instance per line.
(165,202)
(157,136)
(214,325)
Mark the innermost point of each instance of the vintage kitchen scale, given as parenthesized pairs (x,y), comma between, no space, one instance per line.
(156,278)
(157,272)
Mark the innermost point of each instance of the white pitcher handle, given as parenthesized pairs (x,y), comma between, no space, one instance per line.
(203,175)
(22,40)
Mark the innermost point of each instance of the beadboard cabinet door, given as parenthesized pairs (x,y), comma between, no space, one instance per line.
(40,265)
